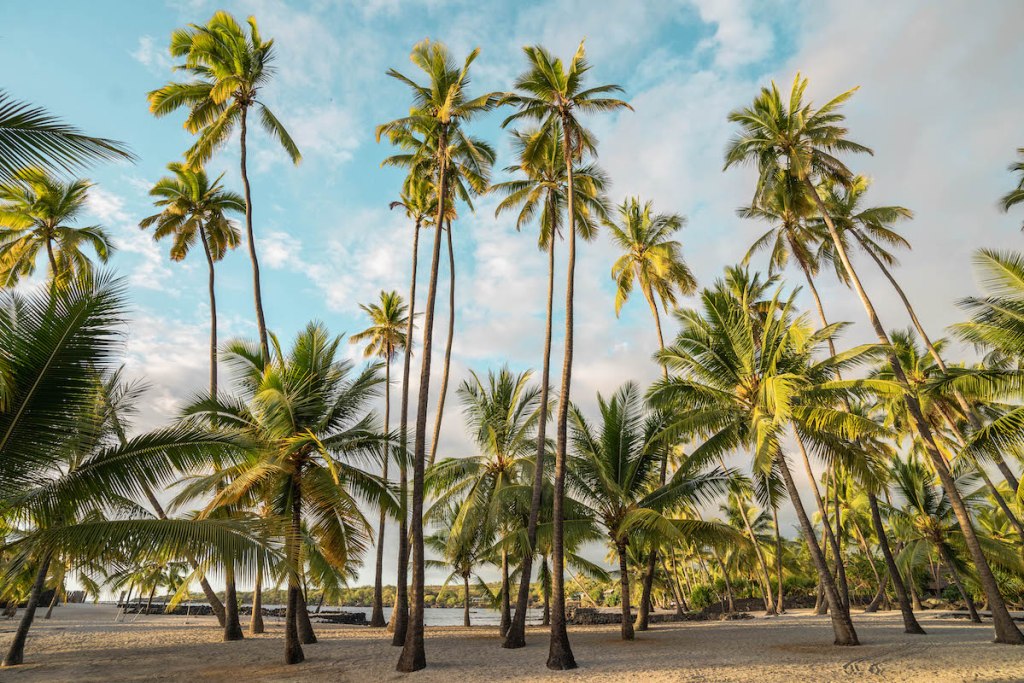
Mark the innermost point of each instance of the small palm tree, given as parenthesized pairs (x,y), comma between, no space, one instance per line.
(193,207)
(30,136)
(1016,195)
(386,336)
(462,550)
(615,472)
(37,214)
(552,93)
(229,69)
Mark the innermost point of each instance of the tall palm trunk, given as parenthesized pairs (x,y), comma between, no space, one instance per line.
(780,607)
(765,579)
(967,409)
(377,613)
(400,612)
(947,558)
(643,610)
(232,626)
(413,657)
(53,602)
(447,348)
(627,616)
(506,616)
(1005,629)
(842,625)
(52,259)
(306,634)
(149,598)
(211,286)
(257,290)
(16,652)
(516,636)
(560,655)
(256,620)
(677,590)
(465,600)
(292,647)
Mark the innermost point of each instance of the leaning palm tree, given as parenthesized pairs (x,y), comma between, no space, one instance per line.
(31,136)
(305,418)
(540,195)
(385,337)
(1016,195)
(37,215)
(439,110)
(552,93)
(655,262)
(615,472)
(787,133)
(192,207)
(229,69)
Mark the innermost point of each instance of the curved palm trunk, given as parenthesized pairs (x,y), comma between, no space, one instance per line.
(516,636)
(16,652)
(627,615)
(292,648)
(377,613)
(967,409)
(1006,630)
(506,610)
(257,290)
(465,600)
(149,598)
(400,612)
(947,559)
(780,607)
(53,261)
(447,348)
(560,655)
(842,625)
(413,657)
(677,590)
(232,626)
(306,634)
(256,620)
(53,602)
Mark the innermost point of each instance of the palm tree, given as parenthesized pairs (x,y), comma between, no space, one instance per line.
(439,110)
(37,214)
(541,194)
(655,262)
(614,471)
(385,337)
(229,69)
(31,136)
(194,207)
(462,550)
(304,416)
(552,93)
(1014,196)
(742,380)
(777,133)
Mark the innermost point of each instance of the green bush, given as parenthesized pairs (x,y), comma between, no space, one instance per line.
(702,596)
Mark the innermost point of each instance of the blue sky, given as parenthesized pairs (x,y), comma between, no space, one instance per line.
(940,103)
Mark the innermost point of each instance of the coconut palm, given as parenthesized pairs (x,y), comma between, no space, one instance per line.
(540,194)
(655,262)
(552,93)
(440,109)
(462,550)
(306,417)
(385,337)
(777,133)
(1016,195)
(38,212)
(615,472)
(30,136)
(229,69)
(193,207)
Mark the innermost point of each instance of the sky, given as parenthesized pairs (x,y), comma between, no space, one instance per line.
(939,103)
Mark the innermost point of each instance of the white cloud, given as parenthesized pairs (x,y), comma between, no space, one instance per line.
(739,39)
(279,249)
(153,55)
(150,268)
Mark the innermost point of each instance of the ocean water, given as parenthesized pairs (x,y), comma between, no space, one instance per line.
(448,616)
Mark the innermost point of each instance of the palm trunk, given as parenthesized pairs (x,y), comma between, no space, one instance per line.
(400,612)
(257,291)
(560,655)
(1006,630)
(53,603)
(16,652)
(627,616)
(52,259)
(506,608)
(883,583)
(465,600)
(149,599)
(377,613)
(780,607)
(232,626)
(766,578)
(677,590)
(292,647)
(256,620)
(306,634)
(947,558)
(213,314)
(842,625)
(447,348)
(413,657)
(516,636)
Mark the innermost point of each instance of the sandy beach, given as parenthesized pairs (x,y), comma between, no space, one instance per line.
(81,643)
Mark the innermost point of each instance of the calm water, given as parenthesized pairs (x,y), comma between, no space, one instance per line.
(450,616)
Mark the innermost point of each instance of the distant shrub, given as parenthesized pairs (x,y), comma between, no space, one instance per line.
(702,596)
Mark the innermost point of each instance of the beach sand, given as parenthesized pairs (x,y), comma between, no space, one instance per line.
(82,644)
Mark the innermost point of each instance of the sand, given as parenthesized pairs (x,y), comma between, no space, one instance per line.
(81,643)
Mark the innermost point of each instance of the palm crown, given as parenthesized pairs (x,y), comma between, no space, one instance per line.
(386,335)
